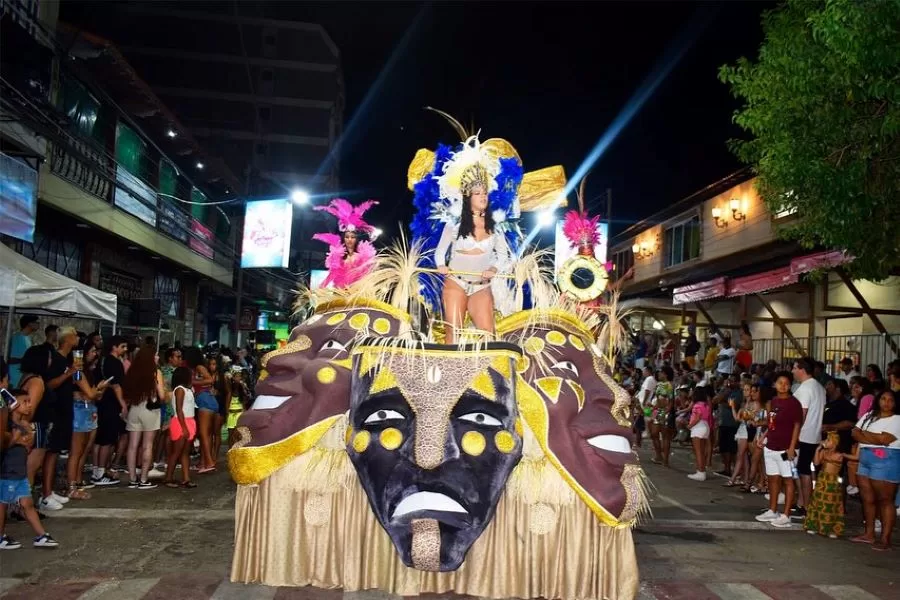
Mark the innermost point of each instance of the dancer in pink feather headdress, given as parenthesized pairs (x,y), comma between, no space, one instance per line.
(350,256)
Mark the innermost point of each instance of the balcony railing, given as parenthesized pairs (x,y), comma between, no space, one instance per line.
(863,349)
(88,168)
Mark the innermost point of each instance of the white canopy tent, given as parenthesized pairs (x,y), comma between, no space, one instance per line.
(26,286)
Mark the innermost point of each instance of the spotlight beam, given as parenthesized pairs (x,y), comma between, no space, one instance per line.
(664,65)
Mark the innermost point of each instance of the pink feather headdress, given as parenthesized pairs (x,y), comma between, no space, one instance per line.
(579,229)
(350,218)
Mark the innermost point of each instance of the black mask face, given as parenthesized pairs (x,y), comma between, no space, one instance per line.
(433,439)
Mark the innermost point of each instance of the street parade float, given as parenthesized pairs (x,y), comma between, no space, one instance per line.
(500,466)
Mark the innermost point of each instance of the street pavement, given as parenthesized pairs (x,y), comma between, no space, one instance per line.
(703,544)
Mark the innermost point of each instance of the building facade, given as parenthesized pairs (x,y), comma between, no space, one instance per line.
(716,259)
(122,204)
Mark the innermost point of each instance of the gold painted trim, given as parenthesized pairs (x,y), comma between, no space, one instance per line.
(250,465)
(542,317)
(362,304)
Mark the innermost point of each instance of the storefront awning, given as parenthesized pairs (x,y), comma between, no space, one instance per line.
(819,260)
(714,288)
(760,282)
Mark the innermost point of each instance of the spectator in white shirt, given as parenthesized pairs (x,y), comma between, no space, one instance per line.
(726,358)
(846,371)
(811,395)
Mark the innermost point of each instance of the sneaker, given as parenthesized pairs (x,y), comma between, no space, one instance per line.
(852,490)
(146,485)
(132,485)
(45,541)
(698,476)
(48,503)
(156,473)
(104,480)
(767,517)
(64,454)
(7,543)
(86,485)
(58,498)
(160,466)
(832,536)
(810,532)
(781,522)
(798,513)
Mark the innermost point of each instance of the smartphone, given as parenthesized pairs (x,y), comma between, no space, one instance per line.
(8,399)
(108,381)
(784,456)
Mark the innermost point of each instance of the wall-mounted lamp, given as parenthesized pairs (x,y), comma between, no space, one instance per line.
(736,213)
(644,249)
(717,217)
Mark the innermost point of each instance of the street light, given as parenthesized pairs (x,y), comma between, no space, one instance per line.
(299,196)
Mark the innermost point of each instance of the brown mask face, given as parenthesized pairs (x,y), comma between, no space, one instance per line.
(305,387)
(576,411)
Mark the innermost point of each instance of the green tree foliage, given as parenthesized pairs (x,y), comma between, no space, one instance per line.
(822,103)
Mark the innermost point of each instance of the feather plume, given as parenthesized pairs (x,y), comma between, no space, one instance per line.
(350,218)
(458,127)
(580,229)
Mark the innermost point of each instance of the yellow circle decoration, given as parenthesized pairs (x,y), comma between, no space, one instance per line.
(361,441)
(534,345)
(335,319)
(522,364)
(505,442)
(556,338)
(326,375)
(473,443)
(576,341)
(381,326)
(359,321)
(391,438)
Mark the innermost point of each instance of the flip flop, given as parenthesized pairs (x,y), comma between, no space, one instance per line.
(171,484)
(881,548)
(861,540)
(188,485)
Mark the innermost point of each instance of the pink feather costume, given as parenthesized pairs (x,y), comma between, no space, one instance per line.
(344,271)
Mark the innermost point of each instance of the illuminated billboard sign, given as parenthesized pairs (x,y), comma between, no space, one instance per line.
(267,234)
(564,250)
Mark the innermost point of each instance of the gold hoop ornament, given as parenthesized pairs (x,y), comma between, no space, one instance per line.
(583,277)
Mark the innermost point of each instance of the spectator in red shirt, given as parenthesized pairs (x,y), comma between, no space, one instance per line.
(780,450)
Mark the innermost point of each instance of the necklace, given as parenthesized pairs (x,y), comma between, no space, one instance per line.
(479,213)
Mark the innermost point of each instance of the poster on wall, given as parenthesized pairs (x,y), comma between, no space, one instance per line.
(137,198)
(173,221)
(201,238)
(564,251)
(267,234)
(18,198)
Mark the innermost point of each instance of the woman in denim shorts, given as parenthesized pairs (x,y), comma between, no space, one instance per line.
(84,425)
(878,435)
(207,406)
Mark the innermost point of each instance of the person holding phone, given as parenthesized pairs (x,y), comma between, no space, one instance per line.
(780,450)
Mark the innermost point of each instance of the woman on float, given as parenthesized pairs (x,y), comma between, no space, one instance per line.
(477,252)
(351,255)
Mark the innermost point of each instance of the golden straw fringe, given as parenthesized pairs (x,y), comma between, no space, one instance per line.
(537,480)
(644,513)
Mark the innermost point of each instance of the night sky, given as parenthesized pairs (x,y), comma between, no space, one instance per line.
(548,77)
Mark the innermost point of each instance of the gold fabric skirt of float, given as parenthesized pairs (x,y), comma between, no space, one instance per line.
(287,535)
